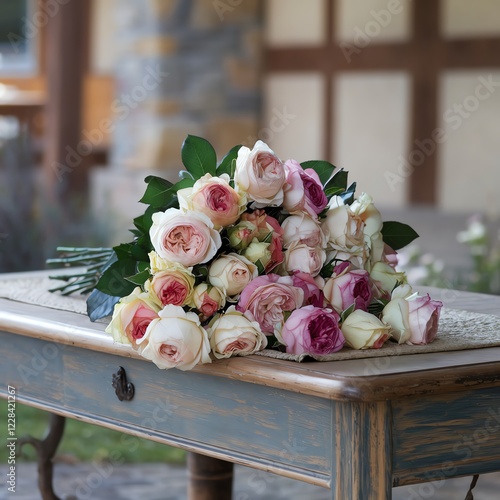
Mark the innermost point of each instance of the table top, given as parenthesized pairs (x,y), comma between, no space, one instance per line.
(370,379)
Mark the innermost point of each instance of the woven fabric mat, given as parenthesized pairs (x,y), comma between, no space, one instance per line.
(458,330)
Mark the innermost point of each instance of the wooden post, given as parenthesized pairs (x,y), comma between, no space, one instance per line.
(66,34)
(210,478)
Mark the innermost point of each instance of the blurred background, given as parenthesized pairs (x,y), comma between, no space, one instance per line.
(97,94)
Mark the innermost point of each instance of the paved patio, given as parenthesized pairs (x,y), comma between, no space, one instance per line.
(163,482)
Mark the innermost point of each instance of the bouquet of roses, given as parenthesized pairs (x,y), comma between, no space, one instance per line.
(253,253)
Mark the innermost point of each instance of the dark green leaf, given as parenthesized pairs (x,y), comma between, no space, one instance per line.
(339,180)
(333,191)
(124,250)
(100,305)
(324,169)
(158,193)
(142,266)
(198,156)
(347,312)
(397,235)
(139,253)
(184,174)
(225,166)
(113,281)
(139,278)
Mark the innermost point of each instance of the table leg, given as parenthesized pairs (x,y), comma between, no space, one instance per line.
(362,451)
(46,449)
(209,478)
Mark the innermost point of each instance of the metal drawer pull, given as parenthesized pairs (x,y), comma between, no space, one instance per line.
(123,388)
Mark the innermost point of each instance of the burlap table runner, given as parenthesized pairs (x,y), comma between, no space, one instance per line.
(458,330)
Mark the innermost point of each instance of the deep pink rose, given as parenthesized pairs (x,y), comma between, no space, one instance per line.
(268,297)
(313,296)
(303,190)
(312,330)
(424,319)
(348,286)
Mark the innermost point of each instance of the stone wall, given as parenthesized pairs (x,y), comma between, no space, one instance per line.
(183,67)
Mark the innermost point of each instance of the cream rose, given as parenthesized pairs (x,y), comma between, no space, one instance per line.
(303,229)
(232,273)
(131,318)
(185,238)
(363,330)
(214,197)
(300,257)
(176,340)
(260,174)
(345,228)
(174,285)
(386,278)
(233,334)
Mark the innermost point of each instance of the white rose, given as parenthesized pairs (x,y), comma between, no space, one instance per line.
(233,334)
(299,257)
(260,174)
(364,208)
(397,315)
(345,229)
(232,273)
(176,340)
(386,277)
(363,330)
(303,229)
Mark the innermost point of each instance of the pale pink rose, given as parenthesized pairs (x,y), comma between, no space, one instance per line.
(312,330)
(424,319)
(172,286)
(233,334)
(299,257)
(131,317)
(363,330)
(268,297)
(208,299)
(184,238)
(390,256)
(260,174)
(214,197)
(231,273)
(313,295)
(176,340)
(303,229)
(303,190)
(348,286)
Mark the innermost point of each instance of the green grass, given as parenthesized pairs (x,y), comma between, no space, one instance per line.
(85,442)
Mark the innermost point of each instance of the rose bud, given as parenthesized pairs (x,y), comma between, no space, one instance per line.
(232,273)
(208,299)
(241,235)
(363,330)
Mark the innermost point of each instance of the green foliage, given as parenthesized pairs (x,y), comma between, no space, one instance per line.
(324,169)
(198,156)
(228,163)
(397,235)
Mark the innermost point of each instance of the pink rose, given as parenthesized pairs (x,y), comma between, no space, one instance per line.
(214,197)
(131,318)
(313,296)
(424,319)
(184,238)
(303,190)
(208,299)
(173,286)
(312,330)
(260,174)
(348,286)
(268,297)
(299,257)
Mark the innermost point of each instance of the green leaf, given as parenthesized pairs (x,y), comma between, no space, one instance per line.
(348,195)
(100,305)
(113,281)
(158,193)
(339,180)
(397,235)
(124,250)
(139,278)
(198,156)
(184,174)
(225,166)
(333,191)
(142,266)
(324,169)
(347,312)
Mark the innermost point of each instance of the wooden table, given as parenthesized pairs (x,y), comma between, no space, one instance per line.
(358,427)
